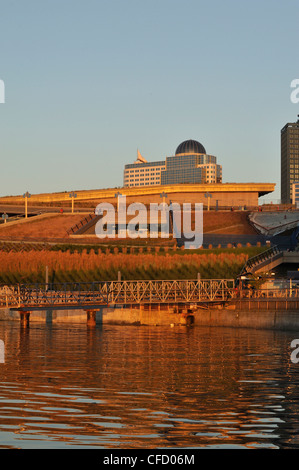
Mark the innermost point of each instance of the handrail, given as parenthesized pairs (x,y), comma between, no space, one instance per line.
(289,293)
(261,257)
(275,227)
(80,224)
(118,292)
(109,293)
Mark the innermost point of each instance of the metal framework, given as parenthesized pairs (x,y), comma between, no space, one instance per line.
(117,293)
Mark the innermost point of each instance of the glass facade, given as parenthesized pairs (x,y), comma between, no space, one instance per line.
(182,169)
(183,175)
(186,168)
(182,161)
(204,159)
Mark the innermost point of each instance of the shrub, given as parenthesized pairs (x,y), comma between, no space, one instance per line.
(30,266)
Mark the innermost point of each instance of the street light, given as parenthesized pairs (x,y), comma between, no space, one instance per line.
(208,196)
(26,196)
(118,195)
(164,195)
(73,195)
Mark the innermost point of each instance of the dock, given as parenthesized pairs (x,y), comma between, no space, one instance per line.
(210,302)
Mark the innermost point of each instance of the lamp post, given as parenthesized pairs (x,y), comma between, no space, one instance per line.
(73,195)
(26,196)
(208,196)
(118,195)
(164,195)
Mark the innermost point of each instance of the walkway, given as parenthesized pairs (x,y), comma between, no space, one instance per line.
(96,294)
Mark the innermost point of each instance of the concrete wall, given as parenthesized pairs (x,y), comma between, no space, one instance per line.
(119,316)
(141,316)
(229,317)
(239,189)
(65,316)
(225,199)
(258,319)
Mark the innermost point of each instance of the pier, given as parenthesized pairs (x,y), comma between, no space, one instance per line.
(151,302)
(181,295)
(107,293)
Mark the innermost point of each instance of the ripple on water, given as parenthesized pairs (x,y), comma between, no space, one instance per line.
(138,387)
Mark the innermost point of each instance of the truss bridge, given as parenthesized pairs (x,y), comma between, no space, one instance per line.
(111,293)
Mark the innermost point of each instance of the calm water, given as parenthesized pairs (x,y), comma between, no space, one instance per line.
(147,387)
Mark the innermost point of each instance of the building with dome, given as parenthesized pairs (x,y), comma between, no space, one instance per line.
(190,164)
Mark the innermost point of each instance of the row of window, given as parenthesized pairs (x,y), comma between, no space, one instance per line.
(144,184)
(143,179)
(144,165)
(152,173)
(145,170)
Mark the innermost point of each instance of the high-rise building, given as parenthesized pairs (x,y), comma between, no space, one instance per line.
(143,173)
(289,160)
(295,194)
(190,164)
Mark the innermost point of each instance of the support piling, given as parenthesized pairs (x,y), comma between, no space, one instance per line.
(24,319)
(91,317)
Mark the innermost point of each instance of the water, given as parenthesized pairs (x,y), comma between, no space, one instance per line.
(130,387)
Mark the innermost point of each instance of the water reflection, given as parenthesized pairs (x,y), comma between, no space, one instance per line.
(147,387)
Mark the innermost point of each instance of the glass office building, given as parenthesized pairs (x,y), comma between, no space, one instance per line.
(182,169)
(190,164)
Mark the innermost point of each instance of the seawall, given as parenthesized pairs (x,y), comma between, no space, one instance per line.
(287,320)
(117,316)
(258,319)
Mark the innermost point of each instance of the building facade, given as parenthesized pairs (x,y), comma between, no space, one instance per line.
(289,160)
(190,164)
(295,194)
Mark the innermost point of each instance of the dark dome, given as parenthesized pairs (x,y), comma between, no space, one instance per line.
(190,146)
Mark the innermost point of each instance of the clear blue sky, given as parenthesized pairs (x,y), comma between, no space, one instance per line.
(88,82)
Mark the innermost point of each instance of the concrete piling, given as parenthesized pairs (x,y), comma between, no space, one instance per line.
(91,317)
(24,319)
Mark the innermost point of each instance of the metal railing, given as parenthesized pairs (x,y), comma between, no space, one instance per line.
(256,260)
(117,293)
(278,293)
(81,224)
(186,292)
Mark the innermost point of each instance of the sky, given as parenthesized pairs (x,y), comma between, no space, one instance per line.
(87,83)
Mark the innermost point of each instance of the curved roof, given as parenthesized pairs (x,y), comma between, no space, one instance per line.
(191,147)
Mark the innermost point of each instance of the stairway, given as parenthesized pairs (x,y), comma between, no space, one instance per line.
(263,260)
(83,225)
